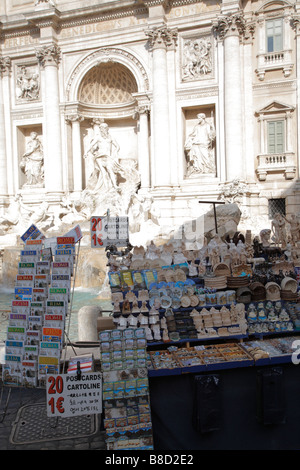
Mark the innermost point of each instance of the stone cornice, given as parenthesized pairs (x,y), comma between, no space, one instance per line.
(53,16)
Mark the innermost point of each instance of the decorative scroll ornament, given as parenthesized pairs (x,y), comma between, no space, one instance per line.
(48,55)
(161,37)
(5,64)
(42,2)
(231,23)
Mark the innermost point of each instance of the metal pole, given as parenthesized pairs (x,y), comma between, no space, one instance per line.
(215,212)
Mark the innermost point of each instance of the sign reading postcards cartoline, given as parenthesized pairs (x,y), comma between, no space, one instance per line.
(109,231)
(70,395)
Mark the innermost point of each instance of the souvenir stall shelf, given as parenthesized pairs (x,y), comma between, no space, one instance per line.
(127,416)
(38,319)
(223,291)
(221,324)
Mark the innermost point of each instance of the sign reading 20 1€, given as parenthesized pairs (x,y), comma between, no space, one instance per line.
(72,395)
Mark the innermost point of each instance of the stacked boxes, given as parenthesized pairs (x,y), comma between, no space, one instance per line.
(125,389)
(35,332)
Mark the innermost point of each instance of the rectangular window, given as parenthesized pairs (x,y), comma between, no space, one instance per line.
(275,136)
(276,206)
(274,33)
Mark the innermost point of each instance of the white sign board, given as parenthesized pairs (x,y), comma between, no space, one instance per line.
(70,395)
(109,231)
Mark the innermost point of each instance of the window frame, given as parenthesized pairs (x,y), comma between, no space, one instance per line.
(276,134)
(277,39)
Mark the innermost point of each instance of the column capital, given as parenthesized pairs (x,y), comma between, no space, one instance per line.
(295,23)
(249,31)
(232,24)
(141,109)
(48,55)
(161,37)
(5,65)
(74,118)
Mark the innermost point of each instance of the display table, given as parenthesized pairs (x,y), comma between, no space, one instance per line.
(251,407)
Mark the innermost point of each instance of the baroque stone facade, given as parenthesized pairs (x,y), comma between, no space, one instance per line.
(110,105)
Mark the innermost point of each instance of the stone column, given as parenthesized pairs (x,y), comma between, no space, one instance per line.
(5,64)
(296,26)
(143,146)
(48,57)
(248,102)
(160,38)
(75,121)
(229,28)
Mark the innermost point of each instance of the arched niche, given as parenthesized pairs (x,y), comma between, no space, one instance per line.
(107,85)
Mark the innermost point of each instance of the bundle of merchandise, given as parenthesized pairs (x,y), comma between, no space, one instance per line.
(201,356)
(35,332)
(126,402)
(172,301)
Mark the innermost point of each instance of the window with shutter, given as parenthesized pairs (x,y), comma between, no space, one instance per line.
(275,136)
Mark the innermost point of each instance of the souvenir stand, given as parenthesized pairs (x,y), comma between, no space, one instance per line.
(221,325)
(39,320)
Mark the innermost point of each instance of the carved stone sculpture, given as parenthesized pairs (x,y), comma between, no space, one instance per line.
(197,59)
(27,84)
(111,185)
(32,162)
(265,237)
(278,228)
(104,151)
(199,147)
(294,223)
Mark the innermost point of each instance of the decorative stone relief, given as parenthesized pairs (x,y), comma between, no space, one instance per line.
(43,2)
(199,149)
(32,162)
(233,191)
(27,83)
(197,58)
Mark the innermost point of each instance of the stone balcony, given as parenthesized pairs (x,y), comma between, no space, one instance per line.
(274,60)
(276,163)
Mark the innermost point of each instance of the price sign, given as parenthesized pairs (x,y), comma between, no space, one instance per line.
(70,395)
(109,231)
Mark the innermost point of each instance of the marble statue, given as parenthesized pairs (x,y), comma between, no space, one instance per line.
(104,151)
(32,162)
(279,230)
(12,215)
(111,185)
(265,237)
(294,223)
(199,147)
